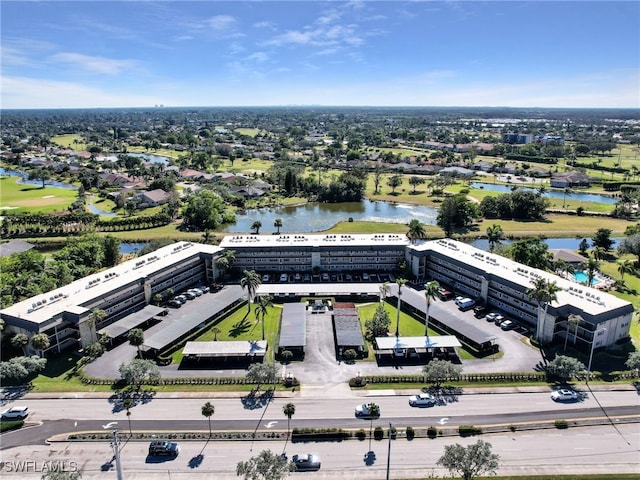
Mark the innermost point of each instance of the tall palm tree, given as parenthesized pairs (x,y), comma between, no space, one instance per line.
(251,281)
(592,267)
(262,308)
(289,410)
(416,231)
(256,226)
(400,282)
(625,266)
(494,235)
(384,291)
(224,261)
(127,404)
(278,224)
(430,293)
(207,411)
(567,193)
(573,320)
(543,293)
(599,253)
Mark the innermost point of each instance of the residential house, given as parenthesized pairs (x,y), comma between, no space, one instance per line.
(570,179)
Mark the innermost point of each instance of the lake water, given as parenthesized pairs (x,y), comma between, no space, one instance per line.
(151,158)
(316,217)
(581,197)
(25,180)
(553,243)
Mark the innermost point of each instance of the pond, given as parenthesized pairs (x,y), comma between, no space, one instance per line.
(316,217)
(573,196)
(553,243)
(150,158)
(25,179)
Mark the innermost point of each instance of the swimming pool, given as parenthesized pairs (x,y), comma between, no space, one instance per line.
(582,277)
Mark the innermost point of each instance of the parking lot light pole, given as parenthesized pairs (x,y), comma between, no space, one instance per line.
(389,450)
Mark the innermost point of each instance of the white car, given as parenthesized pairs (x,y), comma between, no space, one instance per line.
(564,395)
(19,412)
(364,411)
(422,400)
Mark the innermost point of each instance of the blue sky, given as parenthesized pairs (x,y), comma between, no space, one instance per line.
(385,53)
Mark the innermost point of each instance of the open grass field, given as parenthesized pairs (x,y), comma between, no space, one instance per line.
(248,132)
(72,141)
(24,198)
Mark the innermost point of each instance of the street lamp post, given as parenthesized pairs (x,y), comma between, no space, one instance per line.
(593,343)
(389,450)
(115,444)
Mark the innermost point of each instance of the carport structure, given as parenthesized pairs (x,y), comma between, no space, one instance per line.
(231,349)
(347,330)
(406,346)
(293,328)
(122,326)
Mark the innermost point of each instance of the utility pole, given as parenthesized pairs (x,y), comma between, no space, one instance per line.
(115,444)
(389,450)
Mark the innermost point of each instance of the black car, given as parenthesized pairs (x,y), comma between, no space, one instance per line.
(305,462)
(164,448)
(480,311)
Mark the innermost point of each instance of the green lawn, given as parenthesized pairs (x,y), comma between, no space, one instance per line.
(243,326)
(67,141)
(22,198)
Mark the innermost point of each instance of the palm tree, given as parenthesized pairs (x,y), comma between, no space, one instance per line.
(278,224)
(384,291)
(215,331)
(543,293)
(430,293)
(262,308)
(207,411)
(400,282)
(95,317)
(224,261)
(567,193)
(374,412)
(40,341)
(592,267)
(289,410)
(494,235)
(127,404)
(573,320)
(20,340)
(251,281)
(256,226)
(625,266)
(599,252)
(416,231)
(136,338)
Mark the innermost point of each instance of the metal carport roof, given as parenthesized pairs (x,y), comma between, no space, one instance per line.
(125,324)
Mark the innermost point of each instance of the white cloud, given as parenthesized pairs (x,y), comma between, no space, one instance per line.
(23,92)
(221,22)
(259,57)
(103,65)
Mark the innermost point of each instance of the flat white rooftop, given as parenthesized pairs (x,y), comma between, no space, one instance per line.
(589,300)
(318,289)
(42,307)
(302,240)
(401,343)
(226,349)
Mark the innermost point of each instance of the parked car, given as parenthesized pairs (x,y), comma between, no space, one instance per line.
(174,303)
(19,412)
(493,316)
(564,395)
(284,277)
(365,277)
(480,311)
(364,410)
(306,462)
(180,298)
(466,304)
(204,288)
(422,400)
(325,277)
(508,325)
(196,291)
(297,277)
(164,448)
(265,278)
(444,294)
(189,294)
(348,278)
(306,277)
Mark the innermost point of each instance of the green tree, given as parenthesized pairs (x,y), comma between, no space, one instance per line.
(583,246)
(625,266)
(394,182)
(543,292)
(127,404)
(40,341)
(262,308)
(603,239)
(438,371)
(265,466)
(592,267)
(40,174)
(250,281)
(378,326)
(384,291)
(471,461)
(262,373)
(138,372)
(564,367)
(416,231)
(415,181)
(289,410)
(630,244)
(136,339)
(204,210)
(59,474)
(20,340)
(430,294)
(207,411)
(401,282)
(278,224)
(494,235)
(256,226)
(573,321)
(532,252)
(633,361)
(456,211)
(225,261)
(21,368)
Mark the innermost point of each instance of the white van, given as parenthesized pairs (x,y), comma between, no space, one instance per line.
(466,304)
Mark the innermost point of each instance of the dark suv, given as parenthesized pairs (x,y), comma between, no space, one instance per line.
(480,311)
(157,448)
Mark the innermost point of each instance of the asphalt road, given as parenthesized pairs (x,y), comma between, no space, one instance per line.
(586,450)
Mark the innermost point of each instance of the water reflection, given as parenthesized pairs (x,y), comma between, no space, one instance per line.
(573,196)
